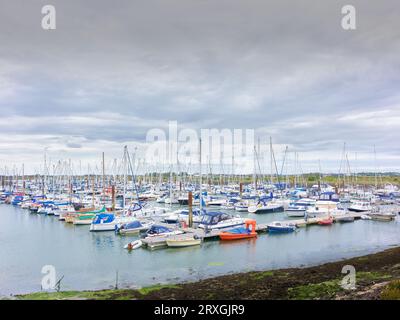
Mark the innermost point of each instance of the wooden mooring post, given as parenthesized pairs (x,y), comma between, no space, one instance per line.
(190,202)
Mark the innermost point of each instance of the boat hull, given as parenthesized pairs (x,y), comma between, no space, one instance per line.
(173,243)
(267,210)
(381,217)
(345,219)
(280,230)
(358,210)
(226,236)
(102,227)
(326,222)
(295,214)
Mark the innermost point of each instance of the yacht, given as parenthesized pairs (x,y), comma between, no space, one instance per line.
(241,206)
(299,207)
(360,206)
(183,215)
(220,220)
(266,207)
(109,221)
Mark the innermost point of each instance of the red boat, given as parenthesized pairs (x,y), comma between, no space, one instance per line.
(246,232)
(326,222)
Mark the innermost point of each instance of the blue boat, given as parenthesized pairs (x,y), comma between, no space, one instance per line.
(157,230)
(133,227)
(17,200)
(279,227)
(103,222)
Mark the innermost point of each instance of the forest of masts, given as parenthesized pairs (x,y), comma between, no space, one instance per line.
(131,168)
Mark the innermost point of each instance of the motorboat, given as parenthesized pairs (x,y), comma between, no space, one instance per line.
(171,200)
(62,209)
(328,204)
(281,227)
(108,221)
(142,210)
(159,230)
(17,200)
(133,227)
(183,215)
(103,222)
(215,201)
(298,208)
(360,206)
(246,232)
(220,220)
(241,206)
(266,207)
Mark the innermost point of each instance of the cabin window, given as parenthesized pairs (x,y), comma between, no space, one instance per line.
(215,219)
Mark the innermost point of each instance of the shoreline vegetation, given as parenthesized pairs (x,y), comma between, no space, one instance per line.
(362,179)
(377,277)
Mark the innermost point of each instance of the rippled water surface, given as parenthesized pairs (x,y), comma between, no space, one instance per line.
(89,260)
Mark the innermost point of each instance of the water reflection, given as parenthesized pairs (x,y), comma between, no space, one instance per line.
(89,260)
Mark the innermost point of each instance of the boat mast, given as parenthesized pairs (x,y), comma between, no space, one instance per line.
(375,169)
(271,159)
(233,163)
(200,178)
(103,178)
(124,168)
(23,179)
(254,170)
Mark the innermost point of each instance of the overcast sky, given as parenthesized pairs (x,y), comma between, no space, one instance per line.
(114,69)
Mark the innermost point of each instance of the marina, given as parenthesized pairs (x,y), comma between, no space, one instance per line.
(91,232)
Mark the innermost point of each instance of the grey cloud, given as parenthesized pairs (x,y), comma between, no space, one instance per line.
(268,65)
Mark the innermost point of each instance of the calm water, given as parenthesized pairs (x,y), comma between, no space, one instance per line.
(90,260)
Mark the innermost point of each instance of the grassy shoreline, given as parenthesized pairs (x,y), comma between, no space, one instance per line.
(377,277)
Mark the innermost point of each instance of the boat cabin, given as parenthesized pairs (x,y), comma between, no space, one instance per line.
(212,218)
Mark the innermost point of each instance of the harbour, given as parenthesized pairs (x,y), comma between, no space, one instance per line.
(90,260)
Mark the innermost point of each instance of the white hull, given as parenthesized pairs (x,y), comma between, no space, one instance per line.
(180,243)
(82,222)
(295,214)
(103,227)
(236,222)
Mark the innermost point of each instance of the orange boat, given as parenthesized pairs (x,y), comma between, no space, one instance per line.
(326,222)
(246,232)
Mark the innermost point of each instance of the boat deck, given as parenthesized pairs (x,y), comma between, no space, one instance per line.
(159,242)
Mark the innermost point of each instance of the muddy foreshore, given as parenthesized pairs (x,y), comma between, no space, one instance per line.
(377,277)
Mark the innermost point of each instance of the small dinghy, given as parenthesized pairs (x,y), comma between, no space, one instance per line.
(133,245)
(344,219)
(326,222)
(246,232)
(365,217)
(382,216)
(182,241)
